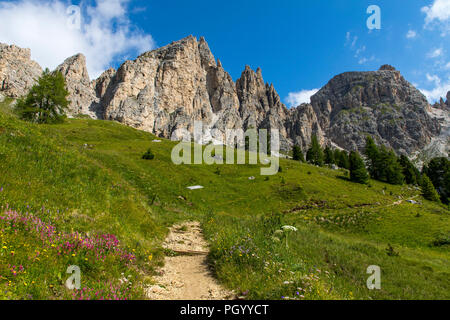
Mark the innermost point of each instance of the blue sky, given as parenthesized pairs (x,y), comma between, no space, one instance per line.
(300,45)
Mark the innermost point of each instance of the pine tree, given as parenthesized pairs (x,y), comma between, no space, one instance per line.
(329,156)
(372,153)
(46,102)
(388,168)
(343,160)
(315,152)
(438,170)
(428,190)
(411,173)
(297,154)
(394,171)
(358,172)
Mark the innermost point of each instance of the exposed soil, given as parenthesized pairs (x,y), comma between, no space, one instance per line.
(187,276)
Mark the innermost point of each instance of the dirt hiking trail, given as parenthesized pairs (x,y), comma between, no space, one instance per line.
(187,275)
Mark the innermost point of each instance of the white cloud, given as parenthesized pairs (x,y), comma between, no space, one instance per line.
(295,99)
(364,60)
(439,90)
(447,66)
(106,33)
(438,14)
(435,53)
(359,51)
(434,78)
(349,40)
(411,34)
(439,10)
(436,93)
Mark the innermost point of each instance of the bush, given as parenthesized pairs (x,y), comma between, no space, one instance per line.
(148,155)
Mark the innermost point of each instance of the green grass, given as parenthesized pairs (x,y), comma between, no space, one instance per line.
(90,177)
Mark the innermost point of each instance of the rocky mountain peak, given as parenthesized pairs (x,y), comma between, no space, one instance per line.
(18,73)
(82,96)
(381,104)
(169,88)
(206,55)
(74,69)
(387,67)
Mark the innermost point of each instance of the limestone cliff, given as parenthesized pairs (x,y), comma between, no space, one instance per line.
(169,88)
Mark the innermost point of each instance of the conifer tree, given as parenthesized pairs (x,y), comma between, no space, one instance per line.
(372,153)
(343,160)
(428,190)
(297,154)
(329,156)
(411,173)
(358,171)
(315,152)
(46,102)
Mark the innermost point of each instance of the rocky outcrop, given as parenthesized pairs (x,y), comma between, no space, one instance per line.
(260,104)
(381,104)
(166,90)
(101,84)
(82,96)
(18,73)
(161,90)
(448,99)
(302,125)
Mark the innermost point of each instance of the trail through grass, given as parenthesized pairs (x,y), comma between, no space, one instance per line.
(88,178)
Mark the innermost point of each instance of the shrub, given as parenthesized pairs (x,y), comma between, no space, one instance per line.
(148,155)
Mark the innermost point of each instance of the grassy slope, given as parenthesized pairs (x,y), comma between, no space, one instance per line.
(90,177)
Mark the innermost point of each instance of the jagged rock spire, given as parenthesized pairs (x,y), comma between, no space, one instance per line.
(82,96)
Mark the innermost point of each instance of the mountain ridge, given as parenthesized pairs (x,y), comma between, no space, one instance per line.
(169,88)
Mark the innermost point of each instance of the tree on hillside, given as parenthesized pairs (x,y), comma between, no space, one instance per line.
(438,170)
(297,154)
(329,156)
(46,102)
(372,153)
(428,190)
(388,168)
(342,160)
(411,173)
(394,171)
(315,152)
(358,171)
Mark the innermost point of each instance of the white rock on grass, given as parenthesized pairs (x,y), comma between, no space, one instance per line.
(195,187)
